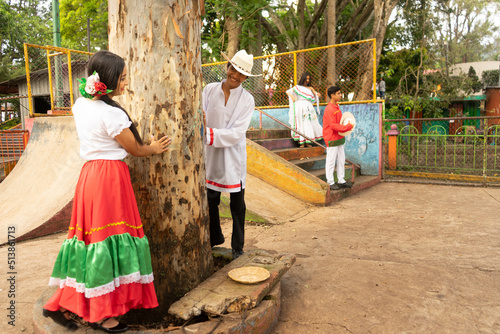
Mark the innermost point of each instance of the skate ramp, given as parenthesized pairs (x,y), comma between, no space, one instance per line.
(36,197)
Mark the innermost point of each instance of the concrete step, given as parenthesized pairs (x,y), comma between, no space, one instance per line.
(310,163)
(298,153)
(308,186)
(277,143)
(320,174)
(268,134)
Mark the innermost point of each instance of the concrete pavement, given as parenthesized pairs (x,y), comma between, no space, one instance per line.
(395,258)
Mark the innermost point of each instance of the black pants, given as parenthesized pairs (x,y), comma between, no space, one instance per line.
(238,210)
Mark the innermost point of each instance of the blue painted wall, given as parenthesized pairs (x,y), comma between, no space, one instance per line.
(362,146)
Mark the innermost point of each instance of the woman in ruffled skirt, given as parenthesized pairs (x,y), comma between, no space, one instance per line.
(302,115)
(104,266)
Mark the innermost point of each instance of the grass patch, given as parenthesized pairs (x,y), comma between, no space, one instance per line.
(250,216)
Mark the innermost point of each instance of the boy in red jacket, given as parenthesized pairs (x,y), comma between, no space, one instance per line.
(334,141)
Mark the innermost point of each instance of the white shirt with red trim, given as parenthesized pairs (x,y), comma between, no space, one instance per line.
(97,124)
(225,149)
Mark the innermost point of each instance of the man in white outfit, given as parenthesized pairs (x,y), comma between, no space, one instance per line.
(228,109)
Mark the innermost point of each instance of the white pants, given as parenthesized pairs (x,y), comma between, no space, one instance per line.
(335,153)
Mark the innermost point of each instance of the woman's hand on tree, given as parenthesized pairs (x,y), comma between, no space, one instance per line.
(161,145)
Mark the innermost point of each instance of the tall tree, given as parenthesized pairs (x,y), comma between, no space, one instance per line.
(74,15)
(332,24)
(466,24)
(21,22)
(235,23)
(440,33)
(160,41)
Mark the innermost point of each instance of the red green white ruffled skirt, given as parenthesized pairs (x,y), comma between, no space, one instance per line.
(103,268)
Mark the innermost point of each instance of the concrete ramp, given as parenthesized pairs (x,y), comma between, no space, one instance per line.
(36,197)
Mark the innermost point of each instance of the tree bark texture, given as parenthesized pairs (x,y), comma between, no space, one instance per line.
(161,44)
(331,21)
(382,11)
(233,28)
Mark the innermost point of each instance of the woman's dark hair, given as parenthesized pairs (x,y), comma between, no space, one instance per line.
(332,90)
(110,66)
(303,79)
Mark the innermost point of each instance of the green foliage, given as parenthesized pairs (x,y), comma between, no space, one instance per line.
(21,22)
(490,78)
(214,37)
(9,124)
(74,15)
(279,31)
(476,85)
(397,67)
(211,33)
(423,42)
(418,89)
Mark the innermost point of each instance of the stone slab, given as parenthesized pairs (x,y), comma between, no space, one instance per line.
(261,319)
(219,294)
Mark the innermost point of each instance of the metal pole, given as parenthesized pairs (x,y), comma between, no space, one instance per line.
(374,83)
(295,68)
(88,35)
(56,28)
(28,79)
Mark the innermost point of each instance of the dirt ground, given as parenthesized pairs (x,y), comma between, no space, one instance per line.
(395,258)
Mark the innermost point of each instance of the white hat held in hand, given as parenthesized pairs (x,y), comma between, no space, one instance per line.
(242,62)
(347,118)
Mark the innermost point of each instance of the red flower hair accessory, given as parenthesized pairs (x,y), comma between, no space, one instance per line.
(92,86)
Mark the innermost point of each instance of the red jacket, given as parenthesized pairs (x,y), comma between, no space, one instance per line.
(332,126)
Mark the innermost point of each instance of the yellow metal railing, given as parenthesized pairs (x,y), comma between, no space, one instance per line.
(355,73)
(52,74)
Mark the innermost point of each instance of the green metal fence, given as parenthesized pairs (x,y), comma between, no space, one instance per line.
(469,154)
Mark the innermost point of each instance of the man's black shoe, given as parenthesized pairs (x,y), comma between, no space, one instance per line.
(345,185)
(237,254)
(334,187)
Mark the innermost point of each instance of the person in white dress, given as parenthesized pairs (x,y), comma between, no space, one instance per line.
(302,116)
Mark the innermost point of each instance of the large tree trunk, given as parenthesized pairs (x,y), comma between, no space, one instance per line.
(160,42)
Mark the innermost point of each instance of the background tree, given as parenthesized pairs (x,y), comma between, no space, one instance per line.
(232,25)
(21,22)
(423,41)
(465,25)
(490,78)
(160,41)
(476,85)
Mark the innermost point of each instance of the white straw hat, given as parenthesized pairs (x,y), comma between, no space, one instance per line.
(242,62)
(347,118)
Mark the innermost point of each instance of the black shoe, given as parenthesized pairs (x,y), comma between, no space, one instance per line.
(345,185)
(237,254)
(117,329)
(217,242)
(334,187)
(60,319)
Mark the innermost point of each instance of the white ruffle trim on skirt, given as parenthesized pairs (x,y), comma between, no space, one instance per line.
(103,289)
